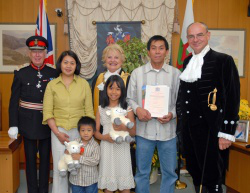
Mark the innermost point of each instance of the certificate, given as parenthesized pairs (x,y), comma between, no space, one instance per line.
(156,100)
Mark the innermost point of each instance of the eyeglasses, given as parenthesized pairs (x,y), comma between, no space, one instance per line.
(198,36)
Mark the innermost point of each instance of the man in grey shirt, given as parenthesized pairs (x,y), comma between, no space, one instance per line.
(154,132)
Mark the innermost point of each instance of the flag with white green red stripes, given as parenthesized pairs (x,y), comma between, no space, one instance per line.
(184,49)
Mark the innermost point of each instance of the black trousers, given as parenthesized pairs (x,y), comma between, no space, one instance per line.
(31,147)
(194,145)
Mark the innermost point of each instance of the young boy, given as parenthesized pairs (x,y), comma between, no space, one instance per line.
(87,175)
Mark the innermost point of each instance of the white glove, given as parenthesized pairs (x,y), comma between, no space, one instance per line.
(13,131)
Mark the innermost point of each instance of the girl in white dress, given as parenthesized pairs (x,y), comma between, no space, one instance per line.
(115,171)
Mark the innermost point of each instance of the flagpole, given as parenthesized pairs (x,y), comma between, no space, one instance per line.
(43,29)
(184,49)
(182,54)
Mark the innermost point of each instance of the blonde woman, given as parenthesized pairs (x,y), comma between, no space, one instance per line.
(113,58)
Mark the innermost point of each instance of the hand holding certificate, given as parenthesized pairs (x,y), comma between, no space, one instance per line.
(156,100)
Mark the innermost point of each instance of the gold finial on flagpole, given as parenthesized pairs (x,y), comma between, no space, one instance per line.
(180,185)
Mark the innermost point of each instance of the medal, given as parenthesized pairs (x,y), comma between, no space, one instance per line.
(38,84)
(39,75)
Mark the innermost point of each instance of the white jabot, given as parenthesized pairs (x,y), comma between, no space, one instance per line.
(106,76)
(193,69)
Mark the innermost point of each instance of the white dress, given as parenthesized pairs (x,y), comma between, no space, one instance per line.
(115,170)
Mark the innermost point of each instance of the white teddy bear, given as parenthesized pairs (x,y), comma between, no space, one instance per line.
(118,116)
(66,163)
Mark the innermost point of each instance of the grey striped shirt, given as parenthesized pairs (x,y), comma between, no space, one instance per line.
(87,174)
(146,75)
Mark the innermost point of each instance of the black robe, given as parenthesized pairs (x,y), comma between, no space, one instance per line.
(196,121)
(218,71)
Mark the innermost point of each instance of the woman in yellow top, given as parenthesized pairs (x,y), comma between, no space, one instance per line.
(66,99)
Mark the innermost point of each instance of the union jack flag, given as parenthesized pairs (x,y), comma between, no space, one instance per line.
(43,29)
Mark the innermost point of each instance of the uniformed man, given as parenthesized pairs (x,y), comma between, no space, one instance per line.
(207,110)
(25,113)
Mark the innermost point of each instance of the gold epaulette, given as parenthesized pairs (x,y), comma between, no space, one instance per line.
(99,80)
(51,66)
(124,77)
(22,66)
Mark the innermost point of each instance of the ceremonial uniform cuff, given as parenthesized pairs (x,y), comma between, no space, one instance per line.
(226,136)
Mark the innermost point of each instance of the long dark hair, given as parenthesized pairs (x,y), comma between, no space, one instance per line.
(73,55)
(122,100)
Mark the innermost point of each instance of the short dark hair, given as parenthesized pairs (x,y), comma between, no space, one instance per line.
(86,121)
(157,38)
(120,83)
(73,55)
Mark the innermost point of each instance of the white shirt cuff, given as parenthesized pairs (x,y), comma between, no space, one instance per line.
(226,136)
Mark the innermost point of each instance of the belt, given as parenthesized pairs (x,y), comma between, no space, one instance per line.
(29,105)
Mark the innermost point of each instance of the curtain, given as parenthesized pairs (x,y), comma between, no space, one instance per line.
(157,14)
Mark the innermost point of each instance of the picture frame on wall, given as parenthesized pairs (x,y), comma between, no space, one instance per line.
(231,42)
(13,49)
(242,131)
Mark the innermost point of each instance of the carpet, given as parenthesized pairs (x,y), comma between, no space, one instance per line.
(155,188)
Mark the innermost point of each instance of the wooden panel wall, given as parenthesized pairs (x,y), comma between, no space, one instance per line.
(25,11)
(221,14)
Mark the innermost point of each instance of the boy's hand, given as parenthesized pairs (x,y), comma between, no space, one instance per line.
(75,156)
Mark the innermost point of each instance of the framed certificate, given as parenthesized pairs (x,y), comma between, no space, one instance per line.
(156,100)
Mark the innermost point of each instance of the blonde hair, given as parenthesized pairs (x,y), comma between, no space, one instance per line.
(113,47)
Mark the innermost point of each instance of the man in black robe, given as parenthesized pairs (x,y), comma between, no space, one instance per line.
(207,109)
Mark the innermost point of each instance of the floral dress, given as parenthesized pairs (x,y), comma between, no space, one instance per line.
(115,170)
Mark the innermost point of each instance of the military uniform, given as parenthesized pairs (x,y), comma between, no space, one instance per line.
(26,103)
(25,113)
(200,123)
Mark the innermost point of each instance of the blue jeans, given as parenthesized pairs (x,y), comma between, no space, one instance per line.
(85,189)
(167,155)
